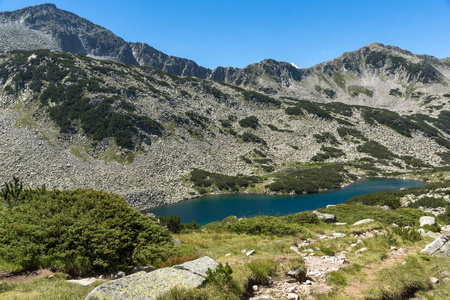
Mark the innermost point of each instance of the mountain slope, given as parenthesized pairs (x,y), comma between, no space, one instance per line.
(69,121)
(375,75)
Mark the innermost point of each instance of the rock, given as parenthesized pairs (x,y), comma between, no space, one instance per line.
(427,221)
(118,274)
(434,280)
(199,266)
(176,241)
(340,224)
(365,221)
(142,268)
(384,207)
(439,247)
(292,296)
(84,281)
(298,274)
(338,234)
(151,285)
(330,205)
(327,218)
(361,250)
(250,253)
(255,288)
(146,286)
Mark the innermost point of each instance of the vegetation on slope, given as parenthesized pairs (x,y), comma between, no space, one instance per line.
(80,232)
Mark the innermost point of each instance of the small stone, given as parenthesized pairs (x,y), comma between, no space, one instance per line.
(338,234)
(308,282)
(255,288)
(434,280)
(228,254)
(250,253)
(365,221)
(340,224)
(361,250)
(292,296)
(176,241)
(312,254)
(393,248)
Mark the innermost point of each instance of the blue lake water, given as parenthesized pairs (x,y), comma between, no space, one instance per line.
(215,208)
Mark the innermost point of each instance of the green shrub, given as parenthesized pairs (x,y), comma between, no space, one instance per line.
(201,178)
(376,150)
(261,271)
(388,198)
(251,138)
(326,137)
(260,98)
(264,225)
(80,232)
(249,122)
(309,180)
(353,213)
(303,218)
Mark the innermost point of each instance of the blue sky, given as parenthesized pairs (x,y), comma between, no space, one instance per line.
(240,32)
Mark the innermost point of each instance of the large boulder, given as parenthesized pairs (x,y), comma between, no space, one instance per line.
(439,247)
(151,285)
(327,218)
(427,221)
(199,266)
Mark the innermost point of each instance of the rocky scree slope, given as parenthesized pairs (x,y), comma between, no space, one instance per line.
(69,121)
(375,75)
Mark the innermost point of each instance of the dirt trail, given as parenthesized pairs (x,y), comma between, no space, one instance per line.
(357,287)
(12,277)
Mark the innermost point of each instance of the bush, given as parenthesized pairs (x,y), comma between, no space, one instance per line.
(202,178)
(309,180)
(251,138)
(388,198)
(249,122)
(264,225)
(80,232)
(376,150)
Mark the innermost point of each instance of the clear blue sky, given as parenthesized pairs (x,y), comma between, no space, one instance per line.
(240,32)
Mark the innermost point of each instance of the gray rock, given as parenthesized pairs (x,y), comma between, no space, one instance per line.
(84,281)
(327,218)
(298,274)
(338,234)
(199,266)
(427,221)
(365,221)
(250,253)
(146,286)
(439,247)
(176,241)
(434,280)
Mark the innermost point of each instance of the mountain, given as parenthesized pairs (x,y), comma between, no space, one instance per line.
(89,110)
(375,75)
(47,27)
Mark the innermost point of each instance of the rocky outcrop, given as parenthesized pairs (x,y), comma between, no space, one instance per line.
(439,247)
(327,218)
(426,220)
(151,285)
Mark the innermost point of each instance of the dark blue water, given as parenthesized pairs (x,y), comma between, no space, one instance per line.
(215,208)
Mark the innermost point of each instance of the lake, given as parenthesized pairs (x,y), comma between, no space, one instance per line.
(208,209)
